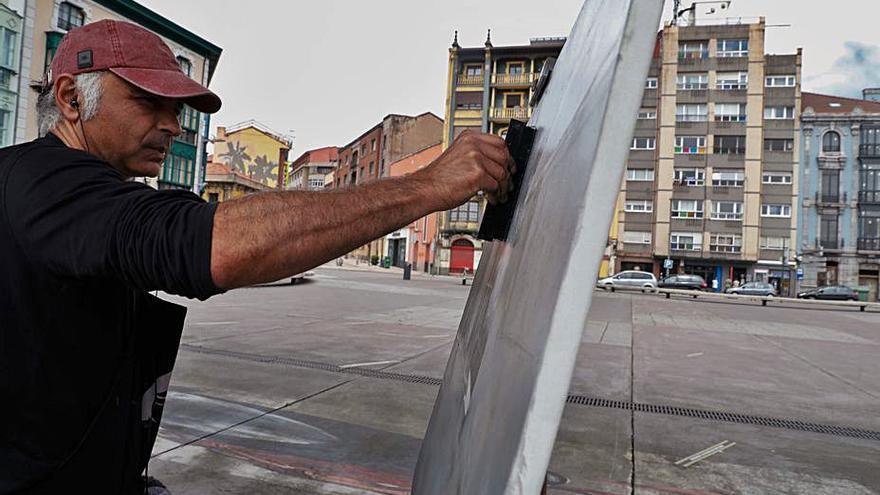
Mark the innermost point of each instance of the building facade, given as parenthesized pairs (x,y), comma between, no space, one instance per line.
(30,43)
(712,178)
(839,238)
(415,243)
(255,151)
(368,156)
(487,87)
(224,184)
(309,171)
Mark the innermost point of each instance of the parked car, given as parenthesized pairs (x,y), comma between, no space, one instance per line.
(630,278)
(831,293)
(684,282)
(753,289)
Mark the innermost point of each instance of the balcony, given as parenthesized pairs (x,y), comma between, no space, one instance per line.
(467,80)
(505,114)
(869,196)
(831,244)
(869,244)
(869,150)
(831,197)
(524,79)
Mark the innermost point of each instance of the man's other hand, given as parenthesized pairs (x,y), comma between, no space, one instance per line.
(475,162)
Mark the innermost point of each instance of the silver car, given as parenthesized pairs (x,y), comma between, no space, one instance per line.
(631,279)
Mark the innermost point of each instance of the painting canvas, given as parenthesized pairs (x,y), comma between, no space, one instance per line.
(496,416)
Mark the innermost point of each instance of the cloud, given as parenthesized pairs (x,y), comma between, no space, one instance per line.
(858,69)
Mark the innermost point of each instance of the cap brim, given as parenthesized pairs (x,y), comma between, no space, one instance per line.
(171,84)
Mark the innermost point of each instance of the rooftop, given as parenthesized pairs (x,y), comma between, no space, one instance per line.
(830,104)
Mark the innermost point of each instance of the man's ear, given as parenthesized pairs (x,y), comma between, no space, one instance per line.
(65,96)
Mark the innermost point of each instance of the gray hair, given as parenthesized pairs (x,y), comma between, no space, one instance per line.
(90,89)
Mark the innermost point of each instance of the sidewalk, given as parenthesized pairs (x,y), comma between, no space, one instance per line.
(350,265)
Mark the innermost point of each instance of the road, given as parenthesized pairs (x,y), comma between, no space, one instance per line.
(326,387)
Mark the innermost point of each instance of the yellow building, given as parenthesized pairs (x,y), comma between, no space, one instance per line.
(487,87)
(255,152)
(223,184)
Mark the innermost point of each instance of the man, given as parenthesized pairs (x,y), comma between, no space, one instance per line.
(85,352)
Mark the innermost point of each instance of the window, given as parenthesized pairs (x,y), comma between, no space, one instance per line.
(774,243)
(693,81)
(651,83)
(468,212)
(364,149)
(725,243)
(729,179)
(213,197)
(690,177)
(5,128)
(732,80)
(685,241)
(5,77)
(636,237)
(639,206)
(778,113)
(468,101)
(691,113)
(647,114)
(831,142)
(9,42)
(830,186)
(474,70)
(730,112)
(643,143)
(640,174)
(690,145)
(316,183)
(372,145)
(780,81)
(776,211)
(515,68)
(730,145)
(778,144)
(869,230)
(513,100)
(372,164)
(185,65)
(727,210)
(828,231)
(776,178)
(733,48)
(693,50)
(870,145)
(70,16)
(687,208)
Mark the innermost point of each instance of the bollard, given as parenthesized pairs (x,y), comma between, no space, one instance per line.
(407,271)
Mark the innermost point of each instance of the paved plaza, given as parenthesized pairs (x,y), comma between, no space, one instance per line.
(326,387)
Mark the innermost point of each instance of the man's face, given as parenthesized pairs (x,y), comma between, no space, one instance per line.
(132,129)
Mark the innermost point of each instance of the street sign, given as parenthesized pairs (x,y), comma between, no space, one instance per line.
(668,263)
(800,273)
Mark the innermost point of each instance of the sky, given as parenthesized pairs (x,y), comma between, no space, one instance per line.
(326,71)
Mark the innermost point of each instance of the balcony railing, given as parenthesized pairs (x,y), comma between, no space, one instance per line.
(692,55)
(519,113)
(691,118)
(869,150)
(466,80)
(831,243)
(869,196)
(869,243)
(830,197)
(523,79)
(719,150)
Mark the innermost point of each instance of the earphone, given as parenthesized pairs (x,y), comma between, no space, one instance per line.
(75,104)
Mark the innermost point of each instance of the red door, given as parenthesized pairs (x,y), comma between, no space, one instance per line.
(462,256)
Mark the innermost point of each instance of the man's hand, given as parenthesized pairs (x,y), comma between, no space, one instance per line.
(475,162)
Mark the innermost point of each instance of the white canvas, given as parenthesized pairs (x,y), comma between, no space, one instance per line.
(497,413)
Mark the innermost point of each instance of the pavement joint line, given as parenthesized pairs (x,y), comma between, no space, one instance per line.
(704,414)
(248,420)
(362,365)
(813,365)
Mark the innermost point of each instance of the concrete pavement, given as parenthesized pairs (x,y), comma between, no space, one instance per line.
(327,387)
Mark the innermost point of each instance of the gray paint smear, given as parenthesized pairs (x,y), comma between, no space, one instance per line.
(497,413)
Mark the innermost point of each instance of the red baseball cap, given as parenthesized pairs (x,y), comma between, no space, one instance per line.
(134,54)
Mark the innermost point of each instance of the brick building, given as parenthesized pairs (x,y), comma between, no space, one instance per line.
(415,243)
(310,170)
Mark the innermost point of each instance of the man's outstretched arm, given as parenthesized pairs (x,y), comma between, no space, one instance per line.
(270,236)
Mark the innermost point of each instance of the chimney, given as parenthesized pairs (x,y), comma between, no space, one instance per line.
(872,94)
(221,133)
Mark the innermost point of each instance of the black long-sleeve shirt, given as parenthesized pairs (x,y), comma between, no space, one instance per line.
(82,344)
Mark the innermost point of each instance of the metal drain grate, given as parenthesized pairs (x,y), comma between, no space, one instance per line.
(727,417)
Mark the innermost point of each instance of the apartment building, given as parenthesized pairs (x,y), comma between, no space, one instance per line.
(415,243)
(309,171)
(255,151)
(487,87)
(839,228)
(32,31)
(369,156)
(712,178)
